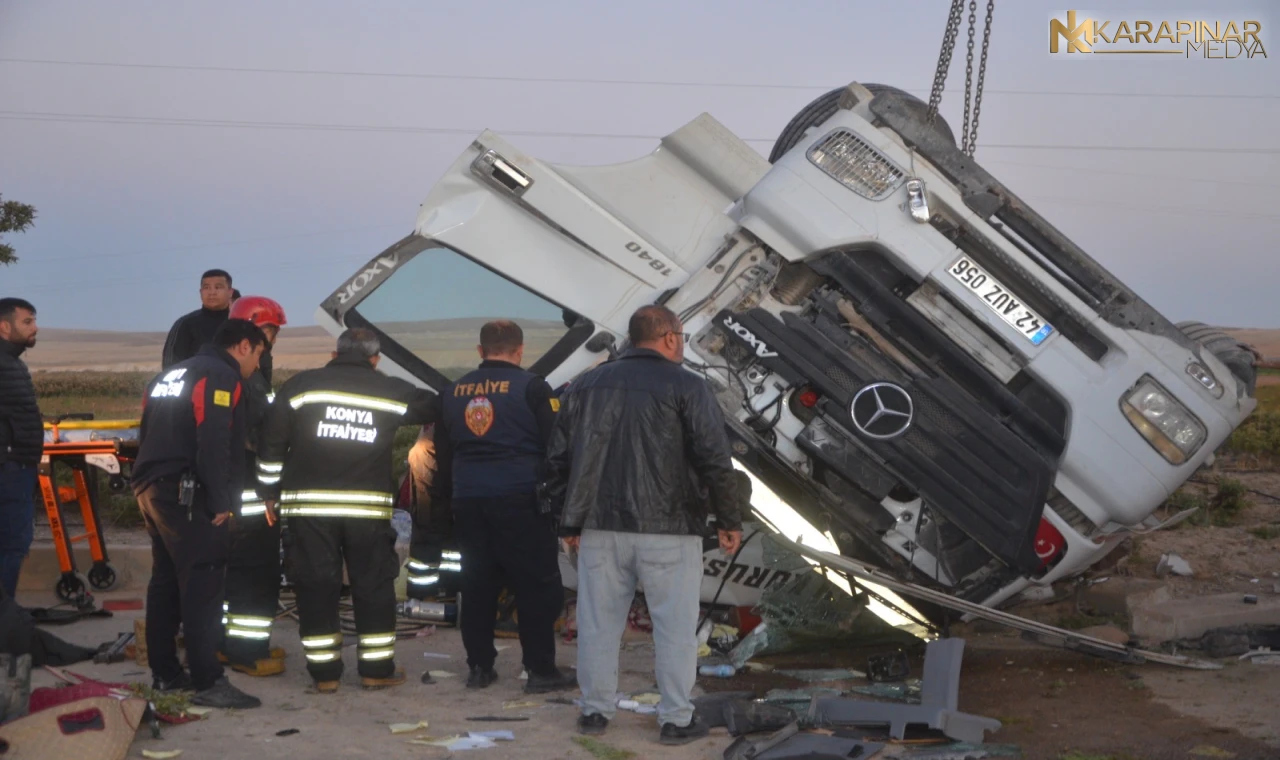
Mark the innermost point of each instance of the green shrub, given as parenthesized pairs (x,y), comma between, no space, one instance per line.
(1229,498)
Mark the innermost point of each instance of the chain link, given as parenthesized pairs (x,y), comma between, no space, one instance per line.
(944,57)
(982,76)
(968,78)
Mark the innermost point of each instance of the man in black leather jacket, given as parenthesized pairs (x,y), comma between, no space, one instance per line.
(638,441)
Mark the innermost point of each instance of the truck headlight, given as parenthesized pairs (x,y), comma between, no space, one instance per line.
(1168,426)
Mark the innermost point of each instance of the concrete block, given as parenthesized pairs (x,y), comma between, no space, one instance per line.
(1191,618)
(132,563)
(1122,596)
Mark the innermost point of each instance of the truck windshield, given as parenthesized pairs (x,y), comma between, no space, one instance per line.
(436,302)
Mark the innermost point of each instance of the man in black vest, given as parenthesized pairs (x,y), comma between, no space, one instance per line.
(490,444)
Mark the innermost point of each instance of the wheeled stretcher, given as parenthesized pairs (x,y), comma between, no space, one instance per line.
(83,445)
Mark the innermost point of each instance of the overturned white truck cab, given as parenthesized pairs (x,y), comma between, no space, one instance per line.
(919,364)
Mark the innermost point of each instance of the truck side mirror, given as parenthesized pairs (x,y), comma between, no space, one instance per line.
(602,341)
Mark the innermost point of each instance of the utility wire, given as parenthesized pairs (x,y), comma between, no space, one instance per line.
(604,81)
(1089,172)
(302,126)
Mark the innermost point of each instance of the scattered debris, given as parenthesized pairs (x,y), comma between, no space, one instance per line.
(114,652)
(1172,563)
(456,743)
(718,671)
(635,707)
(519,705)
(1250,598)
(602,751)
(499,718)
(938,708)
(437,655)
(1035,631)
(743,718)
(1264,656)
(754,643)
(288,732)
(885,668)
(497,736)
(441,674)
(407,728)
(710,707)
(198,711)
(908,691)
(161,754)
(789,743)
(822,675)
(647,698)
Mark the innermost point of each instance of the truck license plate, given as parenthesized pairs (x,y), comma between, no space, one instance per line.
(1001,300)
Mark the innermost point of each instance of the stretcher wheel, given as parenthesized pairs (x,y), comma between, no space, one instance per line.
(102,577)
(71,588)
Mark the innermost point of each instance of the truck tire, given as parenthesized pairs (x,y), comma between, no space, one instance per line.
(825,106)
(1231,352)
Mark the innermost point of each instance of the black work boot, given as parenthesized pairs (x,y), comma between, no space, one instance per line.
(181,683)
(557,680)
(223,694)
(593,724)
(481,677)
(672,734)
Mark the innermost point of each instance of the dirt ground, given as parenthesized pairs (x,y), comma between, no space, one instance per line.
(1052,703)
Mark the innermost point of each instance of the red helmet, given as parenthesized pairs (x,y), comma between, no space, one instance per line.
(258,310)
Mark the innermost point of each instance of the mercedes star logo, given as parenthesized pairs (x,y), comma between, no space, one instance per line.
(882,411)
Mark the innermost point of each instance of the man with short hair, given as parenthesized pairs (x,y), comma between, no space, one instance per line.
(490,446)
(21,439)
(188,477)
(193,330)
(325,459)
(638,441)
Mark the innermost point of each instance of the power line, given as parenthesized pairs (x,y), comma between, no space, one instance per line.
(1179,210)
(42,116)
(1090,171)
(600,81)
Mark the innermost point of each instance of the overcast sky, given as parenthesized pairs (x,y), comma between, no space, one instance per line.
(131,210)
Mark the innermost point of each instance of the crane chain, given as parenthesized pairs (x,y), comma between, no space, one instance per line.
(968,80)
(982,76)
(944,57)
(972,93)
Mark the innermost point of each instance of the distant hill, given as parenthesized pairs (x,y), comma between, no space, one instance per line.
(445,342)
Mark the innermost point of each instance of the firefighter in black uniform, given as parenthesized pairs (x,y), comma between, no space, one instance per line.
(490,444)
(324,462)
(253,567)
(434,567)
(188,477)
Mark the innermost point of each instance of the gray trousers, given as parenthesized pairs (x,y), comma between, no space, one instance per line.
(670,569)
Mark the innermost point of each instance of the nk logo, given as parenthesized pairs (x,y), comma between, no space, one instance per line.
(1078,36)
(1188,38)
